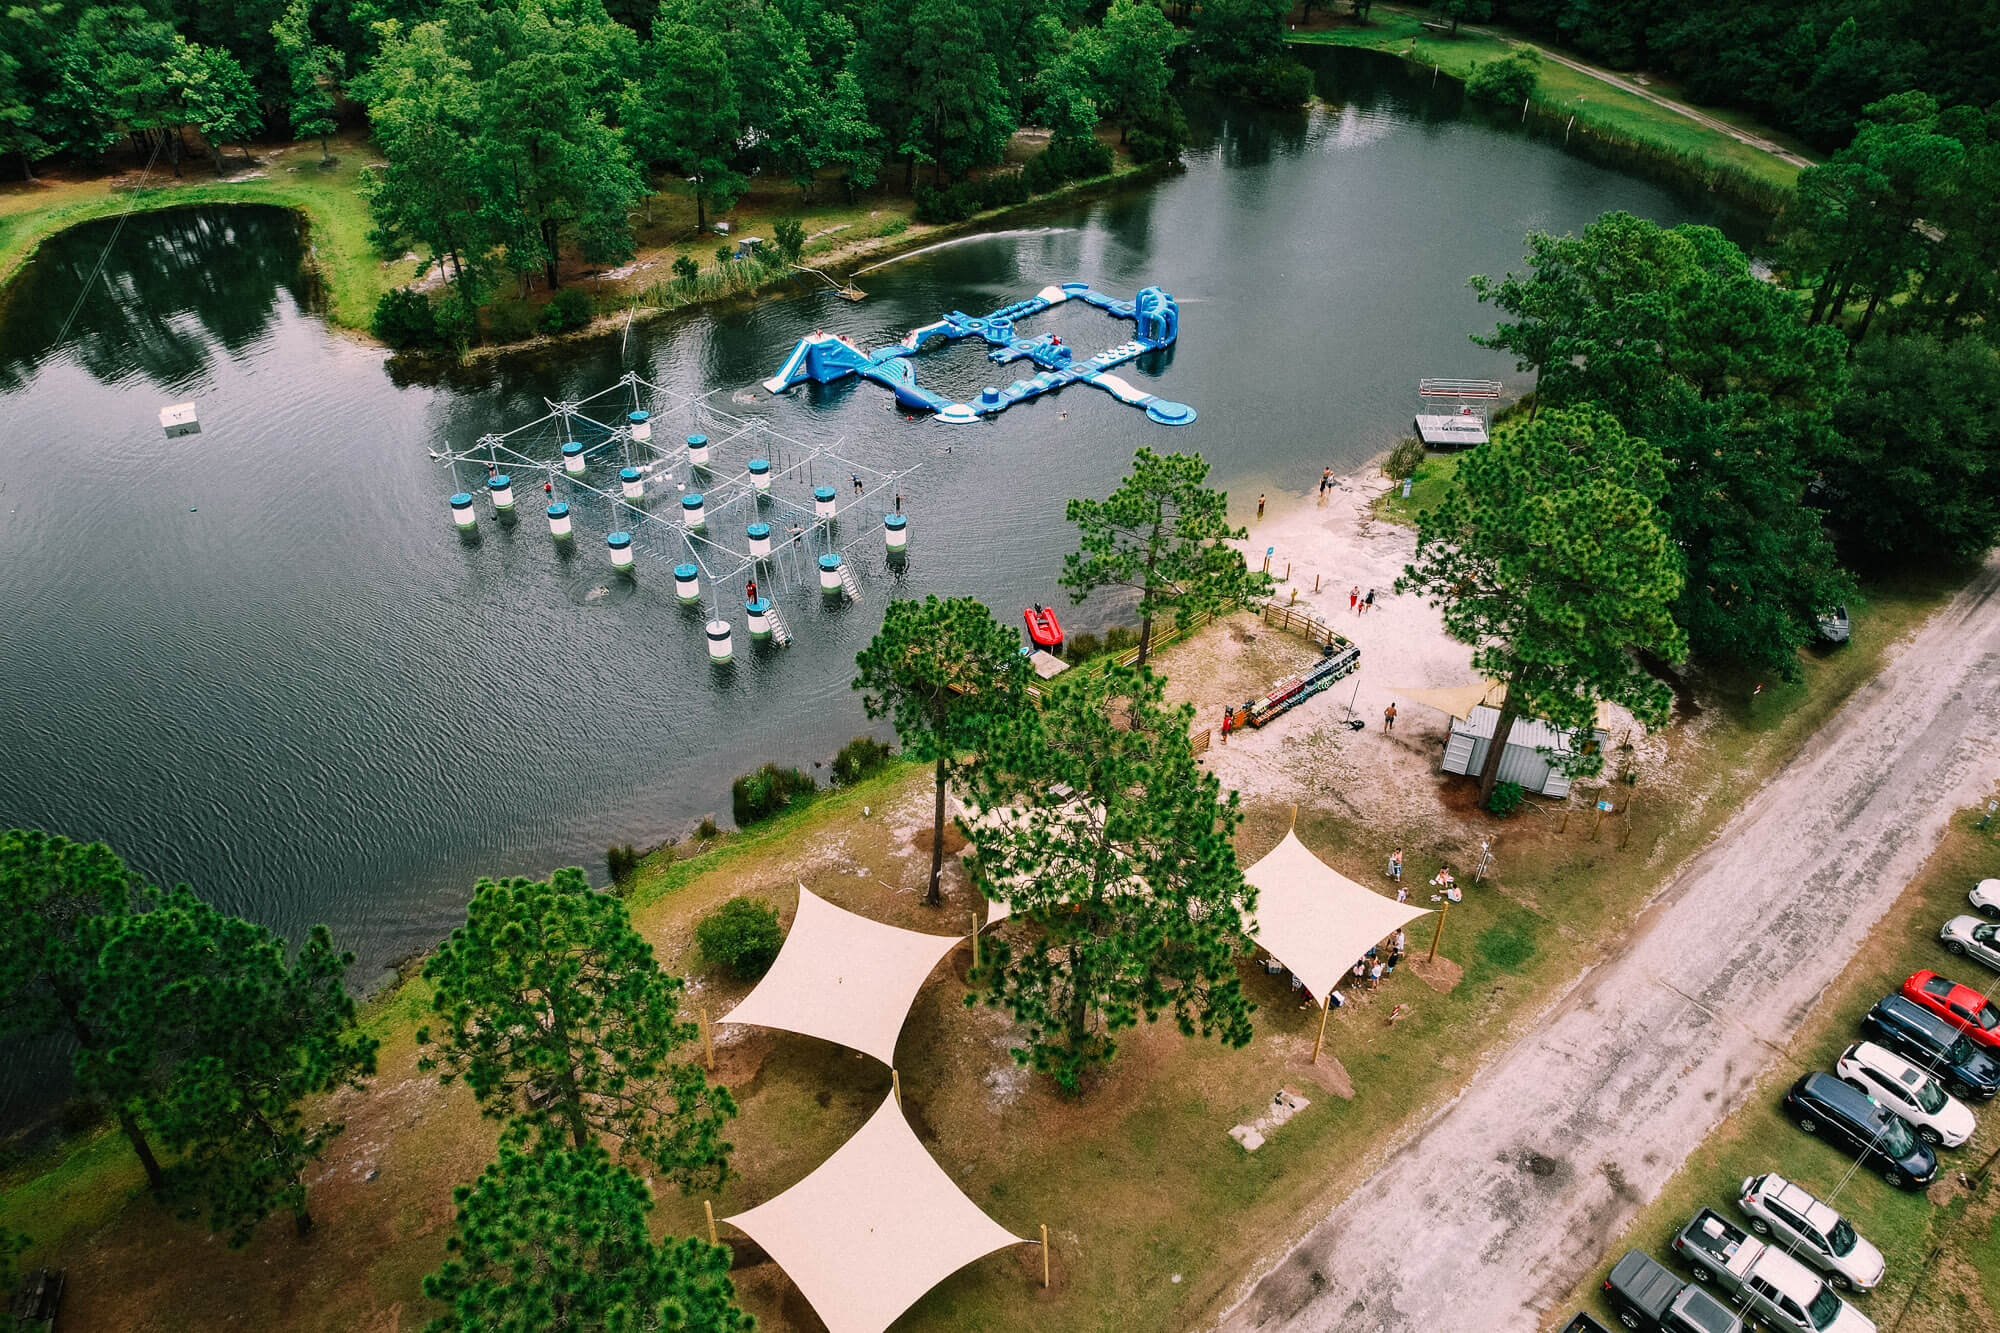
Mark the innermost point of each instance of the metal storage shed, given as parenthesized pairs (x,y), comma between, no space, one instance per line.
(1524,761)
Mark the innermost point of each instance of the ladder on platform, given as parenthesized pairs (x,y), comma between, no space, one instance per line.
(781,633)
(847,582)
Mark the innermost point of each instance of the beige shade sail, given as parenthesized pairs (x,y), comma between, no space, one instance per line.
(874,1228)
(844,978)
(1460,700)
(1315,920)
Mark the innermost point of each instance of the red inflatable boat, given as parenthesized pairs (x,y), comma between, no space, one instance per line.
(1043,627)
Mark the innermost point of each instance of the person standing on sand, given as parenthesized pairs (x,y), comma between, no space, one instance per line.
(1260,505)
(1354,598)
(1396,865)
(1226,720)
(1389,717)
(1368,602)
(1325,480)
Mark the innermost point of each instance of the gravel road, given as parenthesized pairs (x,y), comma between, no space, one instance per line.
(1501,1203)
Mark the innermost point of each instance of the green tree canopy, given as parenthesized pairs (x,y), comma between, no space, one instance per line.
(556,1015)
(257,1035)
(683,109)
(312,75)
(1127,899)
(1164,535)
(945,674)
(1670,330)
(1130,53)
(1914,473)
(1550,558)
(556,1238)
(59,902)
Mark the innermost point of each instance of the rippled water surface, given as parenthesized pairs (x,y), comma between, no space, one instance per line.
(258,658)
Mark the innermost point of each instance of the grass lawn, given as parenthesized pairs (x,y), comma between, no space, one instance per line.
(1155,1213)
(1433,480)
(355,276)
(1561,92)
(1943,1250)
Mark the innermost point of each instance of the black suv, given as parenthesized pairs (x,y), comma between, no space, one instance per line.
(1928,1042)
(1848,1117)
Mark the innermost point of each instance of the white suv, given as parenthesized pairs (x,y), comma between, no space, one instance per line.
(1811,1231)
(1937,1116)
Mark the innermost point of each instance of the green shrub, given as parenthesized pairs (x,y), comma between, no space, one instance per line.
(510,321)
(1159,138)
(1080,648)
(788,238)
(770,789)
(724,253)
(457,321)
(404,318)
(1508,82)
(893,227)
(622,861)
(1120,638)
(1404,460)
(1506,799)
(742,935)
(568,309)
(685,268)
(707,829)
(862,757)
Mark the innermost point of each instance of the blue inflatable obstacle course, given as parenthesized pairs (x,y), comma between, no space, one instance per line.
(824,357)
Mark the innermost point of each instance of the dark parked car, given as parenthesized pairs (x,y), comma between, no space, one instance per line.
(1583,1323)
(1851,1119)
(1650,1299)
(1930,1043)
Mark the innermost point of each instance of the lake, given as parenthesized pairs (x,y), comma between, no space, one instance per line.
(260,660)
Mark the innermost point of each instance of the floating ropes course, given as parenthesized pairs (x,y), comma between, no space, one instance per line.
(738,510)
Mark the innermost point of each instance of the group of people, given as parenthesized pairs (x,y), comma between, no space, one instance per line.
(1372,968)
(1358,603)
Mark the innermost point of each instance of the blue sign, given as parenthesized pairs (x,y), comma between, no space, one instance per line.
(1604,805)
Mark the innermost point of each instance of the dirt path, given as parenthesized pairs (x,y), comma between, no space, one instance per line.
(1501,1203)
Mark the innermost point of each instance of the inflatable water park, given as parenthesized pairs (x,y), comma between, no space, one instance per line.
(824,357)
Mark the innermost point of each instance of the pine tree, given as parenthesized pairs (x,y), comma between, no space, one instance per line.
(1163,534)
(556,1015)
(1551,559)
(1113,849)
(946,674)
(556,1238)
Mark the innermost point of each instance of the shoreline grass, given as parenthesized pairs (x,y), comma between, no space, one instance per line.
(1627,127)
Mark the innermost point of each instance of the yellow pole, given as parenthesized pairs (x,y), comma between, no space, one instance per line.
(1325,1008)
(708,1039)
(1295,815)
(1440,931)
(709,1209)
(975,939)
(1045,1256)
(896,1085)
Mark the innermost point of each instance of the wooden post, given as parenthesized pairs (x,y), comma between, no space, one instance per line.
(709,1209)
(1315,584)
(1626,835)
(1295,817)
(1564,825)
(1325,1008)
(1045,1256)
(896,1085)
(1442,911)
(708,1039)
(1598,822)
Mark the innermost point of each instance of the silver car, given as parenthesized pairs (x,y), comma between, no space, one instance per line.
(1969,937)
(1813,1231)
(1985,896)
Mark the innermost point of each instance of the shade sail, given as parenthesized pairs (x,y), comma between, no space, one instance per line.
(1460,700)
(874,1228)
(1315,920)
(844,978)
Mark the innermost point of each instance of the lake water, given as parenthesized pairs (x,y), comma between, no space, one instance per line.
(259,659)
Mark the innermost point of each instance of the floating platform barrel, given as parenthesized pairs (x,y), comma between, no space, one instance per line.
(501,487)
(559,519)
(632,482)
(823,502)
(759,616)
(720,645)
(829,574)
(896,533)
(760,540)
(687,584)
(461,512)
(642,426)
(621,549)
(698,450)
(573,459)
(760,473)
(691,511)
